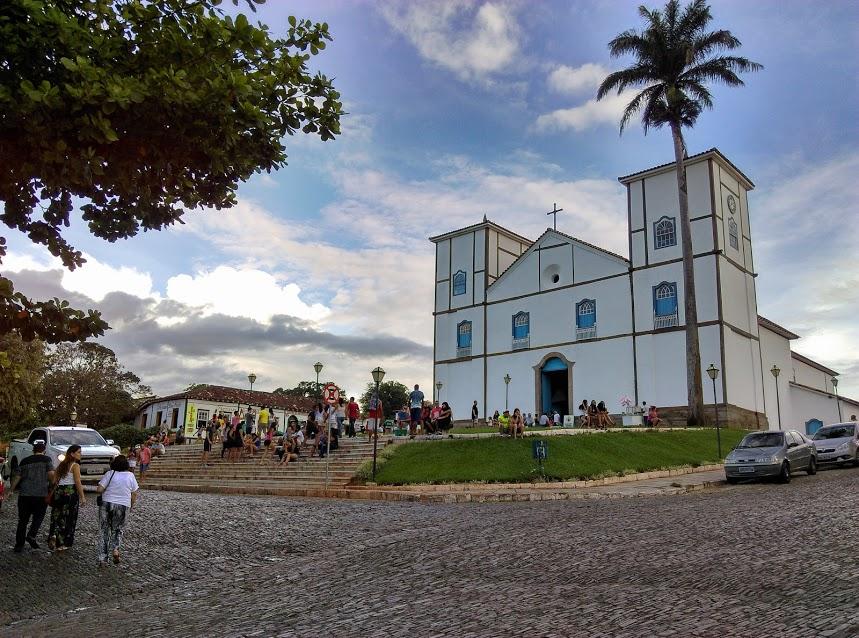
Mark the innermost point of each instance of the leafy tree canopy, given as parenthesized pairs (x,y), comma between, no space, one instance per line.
(306,390)
(394,395)
(88,378)
(137,110)
(21,366)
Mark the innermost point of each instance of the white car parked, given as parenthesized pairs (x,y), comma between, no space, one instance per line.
(838,443)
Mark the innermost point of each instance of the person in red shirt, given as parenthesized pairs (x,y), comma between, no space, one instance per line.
(376,414)
(352,412)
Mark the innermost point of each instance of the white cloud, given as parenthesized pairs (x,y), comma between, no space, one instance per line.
(242,292)
(592,113)
(574,80)
(471,43)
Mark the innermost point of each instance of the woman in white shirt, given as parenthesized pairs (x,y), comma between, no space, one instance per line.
(118,490)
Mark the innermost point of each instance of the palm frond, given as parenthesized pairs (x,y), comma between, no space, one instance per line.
(620,80)
(627,42)
(723,69)
(709,43)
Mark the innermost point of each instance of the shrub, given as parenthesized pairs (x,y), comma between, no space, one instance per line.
(126,435)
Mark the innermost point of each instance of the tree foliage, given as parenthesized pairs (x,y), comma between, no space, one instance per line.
(88,378)
(138,110)
(394,395)
(305,390)
(21,366)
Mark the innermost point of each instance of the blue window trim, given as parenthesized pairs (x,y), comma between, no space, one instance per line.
(673,287)
(579,317)
(527,324)
(673,242)
(459,283)
(460,343)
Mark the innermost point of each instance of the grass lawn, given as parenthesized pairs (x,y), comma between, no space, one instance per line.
(488,430)
(570,457)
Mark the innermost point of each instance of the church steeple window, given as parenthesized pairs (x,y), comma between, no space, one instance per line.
(459,283)
(664,305)
(664,233)
(733,234)
(463,339)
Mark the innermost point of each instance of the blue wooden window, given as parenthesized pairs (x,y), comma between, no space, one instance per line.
(463,334)
(586,313)
(521,325)
(664,233)
(733,235)
(459,282)
(665,299)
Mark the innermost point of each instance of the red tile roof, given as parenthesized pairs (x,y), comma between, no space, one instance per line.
(224,394)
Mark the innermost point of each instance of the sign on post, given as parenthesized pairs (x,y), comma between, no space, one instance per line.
(540,450)
(331,394)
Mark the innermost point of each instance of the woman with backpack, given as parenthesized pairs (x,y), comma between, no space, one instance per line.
(67,499)
(117,493)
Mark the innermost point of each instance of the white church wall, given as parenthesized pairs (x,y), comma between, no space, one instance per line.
(698,188)
(735,298)
(492,266)
(442,295)
(706,296)
(643,283)
(592,264)
(521,280)
(636,210)
(702,235)
(806,405)
(614,312)
(480,250)
(462,383)
(743,384)
(480,287)
(775,350)
(661,361)
(442,260)
(555,261)
(446,327)
(462,259)
(639,249)
(709,341)
(809,375)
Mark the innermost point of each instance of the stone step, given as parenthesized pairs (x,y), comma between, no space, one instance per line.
(240,486)
(203,474)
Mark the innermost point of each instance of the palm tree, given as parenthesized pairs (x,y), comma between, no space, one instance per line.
(675,58)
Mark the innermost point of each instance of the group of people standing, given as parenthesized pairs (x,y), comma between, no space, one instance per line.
(429,417)
(40,485)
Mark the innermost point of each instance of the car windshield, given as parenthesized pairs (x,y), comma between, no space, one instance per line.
(763,439)
(834,432)
(83,438)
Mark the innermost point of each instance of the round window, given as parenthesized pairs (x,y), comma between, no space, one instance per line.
(556,278)
(551,275)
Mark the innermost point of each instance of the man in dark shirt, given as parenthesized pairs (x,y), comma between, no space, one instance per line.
(32,479)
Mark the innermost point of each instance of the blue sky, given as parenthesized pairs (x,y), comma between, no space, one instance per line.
(460,109)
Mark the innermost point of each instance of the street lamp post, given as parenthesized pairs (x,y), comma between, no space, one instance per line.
(253,379)
(837,402)
(318,367)
(378,375)
(74,417)
(507,379)
(775,372)
(713,371)
(438,390)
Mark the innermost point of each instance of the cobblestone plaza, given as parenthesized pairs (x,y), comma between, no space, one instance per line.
(765,560)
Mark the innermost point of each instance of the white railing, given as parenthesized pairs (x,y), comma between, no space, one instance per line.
(587,333)
(464,351)
(664,321)
(521,342)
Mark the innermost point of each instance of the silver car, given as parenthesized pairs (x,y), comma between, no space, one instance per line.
(837,443)
(771,455)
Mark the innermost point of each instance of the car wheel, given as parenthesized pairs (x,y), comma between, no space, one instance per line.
(812,466)
(784,475)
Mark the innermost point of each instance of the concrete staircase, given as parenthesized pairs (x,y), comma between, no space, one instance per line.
(181,470)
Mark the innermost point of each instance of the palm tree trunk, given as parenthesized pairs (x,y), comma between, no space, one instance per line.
(693,352)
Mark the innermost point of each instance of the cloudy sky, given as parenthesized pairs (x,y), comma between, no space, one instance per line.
(458,110)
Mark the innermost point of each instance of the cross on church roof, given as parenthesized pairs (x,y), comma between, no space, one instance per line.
(555,210)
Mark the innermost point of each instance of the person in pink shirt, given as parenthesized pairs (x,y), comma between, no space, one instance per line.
(145,459)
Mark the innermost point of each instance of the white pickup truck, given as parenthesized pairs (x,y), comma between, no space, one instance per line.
(96,453)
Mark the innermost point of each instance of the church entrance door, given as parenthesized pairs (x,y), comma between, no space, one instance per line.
(554,377)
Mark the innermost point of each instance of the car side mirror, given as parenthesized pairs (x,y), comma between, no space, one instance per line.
(110,441)
(791,444)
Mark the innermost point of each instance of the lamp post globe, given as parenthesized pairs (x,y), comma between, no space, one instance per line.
(378,374)
(775,370)
(73,417)
(507,380)
(253,379)
(318,367)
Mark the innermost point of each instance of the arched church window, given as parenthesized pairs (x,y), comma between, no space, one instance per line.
(521,330)
(463,339)
(586,319)
(733,235)
(664,305)
(459,282)
(664,233)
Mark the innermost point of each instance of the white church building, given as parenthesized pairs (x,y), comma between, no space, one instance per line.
(566,320)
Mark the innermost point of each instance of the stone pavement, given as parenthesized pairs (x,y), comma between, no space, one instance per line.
(744,560)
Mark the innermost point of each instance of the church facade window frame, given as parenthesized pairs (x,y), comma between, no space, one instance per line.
(463,338)
(665,315)
(521,323)
(586,319)
(460,283)
(733,234)
(664,232)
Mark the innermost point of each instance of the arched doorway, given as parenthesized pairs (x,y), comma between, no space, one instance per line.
(812,426)
(554,384)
